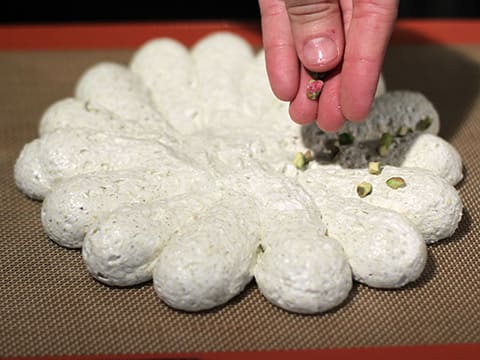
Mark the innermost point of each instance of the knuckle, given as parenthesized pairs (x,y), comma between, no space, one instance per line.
(272,9)
(306,11)
(377,8)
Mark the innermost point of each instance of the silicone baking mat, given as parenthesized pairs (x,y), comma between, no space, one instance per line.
(50,306)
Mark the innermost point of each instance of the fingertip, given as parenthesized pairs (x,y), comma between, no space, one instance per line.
(330,117)
(280,52)
(330,120)
(357,115)
(357,112)
(303,110)
(283,75)
(357,94)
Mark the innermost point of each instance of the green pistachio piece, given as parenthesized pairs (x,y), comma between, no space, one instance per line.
(424,124)
(386,139)
(364,189)
(403,131)
(396,182)
(374,167)
(308,156)
(346,139)
(299,160)
(383,150)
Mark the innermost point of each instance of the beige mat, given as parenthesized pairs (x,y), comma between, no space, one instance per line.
(51,306)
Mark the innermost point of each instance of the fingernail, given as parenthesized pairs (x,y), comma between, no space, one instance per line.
(320,51)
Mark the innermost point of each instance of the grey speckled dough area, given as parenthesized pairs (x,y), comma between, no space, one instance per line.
(390,112)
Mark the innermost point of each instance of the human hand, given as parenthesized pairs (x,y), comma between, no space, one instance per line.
(346,38)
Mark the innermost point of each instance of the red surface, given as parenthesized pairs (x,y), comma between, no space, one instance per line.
(437,32)
(437,352)
(131,35)
(108,36)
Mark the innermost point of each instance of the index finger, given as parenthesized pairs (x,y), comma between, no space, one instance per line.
(366,42)
(280,53)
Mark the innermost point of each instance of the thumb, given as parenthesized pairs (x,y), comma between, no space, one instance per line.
(317,31)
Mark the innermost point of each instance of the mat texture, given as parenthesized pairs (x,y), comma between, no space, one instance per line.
(51,306)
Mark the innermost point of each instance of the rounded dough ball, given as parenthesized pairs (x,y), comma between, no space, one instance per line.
(304,275)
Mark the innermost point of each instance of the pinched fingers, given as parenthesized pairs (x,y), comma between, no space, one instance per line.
(346,38)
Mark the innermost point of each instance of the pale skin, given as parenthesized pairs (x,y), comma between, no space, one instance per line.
(346,38)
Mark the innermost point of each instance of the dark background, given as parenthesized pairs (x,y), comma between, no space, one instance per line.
(83,11)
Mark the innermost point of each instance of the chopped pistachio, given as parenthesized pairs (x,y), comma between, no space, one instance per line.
(383,150)
(403,131)
(396,182)
(364,189)
(299,160)
(346,138)
(308,156)
(424,124)
(374,167)
(386,139)
(302,159)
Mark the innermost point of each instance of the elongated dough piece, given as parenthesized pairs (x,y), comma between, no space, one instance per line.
(69,152)
(307,273)
(431,204)
(432,153)
(219,61)
(298,269)
(383,248)
(255,88)
(211,259)
(118,90)
(121,248)
(76,204)
(77,114)
(165,67)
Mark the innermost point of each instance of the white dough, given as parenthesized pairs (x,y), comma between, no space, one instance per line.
(69,152)
(77,114)
(431,204)
(383,248)
(307,274)
(178,168)
(76,204)
(211,259)
(121,249)
(435,211)
(165,67)
(432,153)
(118,90)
